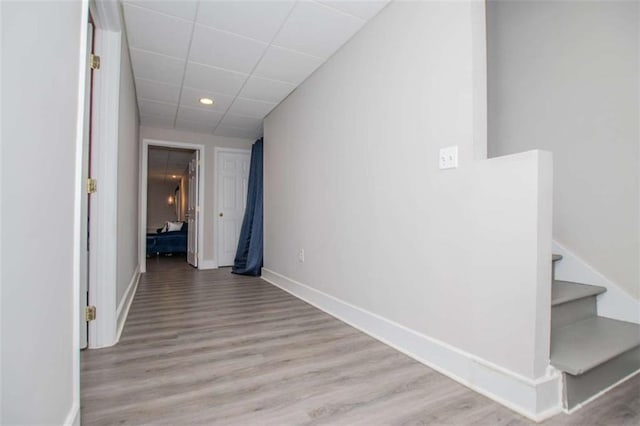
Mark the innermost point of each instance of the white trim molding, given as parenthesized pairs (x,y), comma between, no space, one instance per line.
(207,264)
(73,416)
(104,202)
(615,303)
(79,248)
(125,303)
(144,170)
(538,399)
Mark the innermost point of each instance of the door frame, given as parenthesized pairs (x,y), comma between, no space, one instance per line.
(104,203)
(216,234)
(144,171)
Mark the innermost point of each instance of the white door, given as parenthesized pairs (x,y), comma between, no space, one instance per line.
(192,210)
(84,203)
(232,176)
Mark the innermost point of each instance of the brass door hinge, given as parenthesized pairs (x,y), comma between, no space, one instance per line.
(89,313)
(94,62)
(92,186)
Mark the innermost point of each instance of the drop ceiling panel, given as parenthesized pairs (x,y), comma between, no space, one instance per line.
(286,65)
(198,126)
(157,32)
(191,98)
(363,9)
(264,89)
(152,66)
(213,79)
(305,32)
(251,108)
(156,91)
(248,55)
(241,121)
(154,120)
(185,9)
(225,50)
(199,115)
(158,109)
(232,132)
(259,20)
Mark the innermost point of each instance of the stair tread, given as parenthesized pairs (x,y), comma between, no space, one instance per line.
(556,257)
(581,346)
(567,291)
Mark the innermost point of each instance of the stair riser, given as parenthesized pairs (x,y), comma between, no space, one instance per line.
(578,389)
(570,312)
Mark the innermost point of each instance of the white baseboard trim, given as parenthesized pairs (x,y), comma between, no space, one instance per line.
(208,264)
(125,303)
(73,417)
(537,399)
(615,303)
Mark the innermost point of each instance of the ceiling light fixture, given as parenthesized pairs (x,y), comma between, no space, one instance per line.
(207,101)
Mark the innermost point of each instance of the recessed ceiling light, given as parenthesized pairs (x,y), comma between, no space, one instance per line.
(174,176)
(207,101)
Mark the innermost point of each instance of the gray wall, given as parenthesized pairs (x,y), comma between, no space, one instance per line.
(40,51)
(352,177)
(563,76)
(158,210)
(128,175)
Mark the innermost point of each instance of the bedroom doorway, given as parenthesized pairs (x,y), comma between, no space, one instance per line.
(171,193)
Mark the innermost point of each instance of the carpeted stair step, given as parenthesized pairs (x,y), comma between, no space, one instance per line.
(594,354)
(584,345)
(567,291)
(572,302)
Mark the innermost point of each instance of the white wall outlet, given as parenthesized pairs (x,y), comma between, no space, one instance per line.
(448,157)
(301,255)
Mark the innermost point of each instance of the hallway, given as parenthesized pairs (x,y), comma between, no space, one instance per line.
(209,347)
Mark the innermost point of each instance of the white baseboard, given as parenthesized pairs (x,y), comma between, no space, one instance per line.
(208,264)
(125,303)
(615,303)
(73,417)
(537,399)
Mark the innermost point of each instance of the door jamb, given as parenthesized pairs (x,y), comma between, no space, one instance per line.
(79,249)
(104,208)
(144,169)
(216,235)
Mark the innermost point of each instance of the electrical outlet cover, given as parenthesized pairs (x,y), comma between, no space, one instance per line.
(448,158)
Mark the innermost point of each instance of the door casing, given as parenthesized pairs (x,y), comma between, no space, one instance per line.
(144,171)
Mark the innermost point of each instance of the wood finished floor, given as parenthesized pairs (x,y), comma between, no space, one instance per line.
(210,347)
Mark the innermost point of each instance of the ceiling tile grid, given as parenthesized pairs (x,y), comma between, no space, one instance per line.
(245,55)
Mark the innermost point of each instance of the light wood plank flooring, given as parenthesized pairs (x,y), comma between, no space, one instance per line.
(210,347)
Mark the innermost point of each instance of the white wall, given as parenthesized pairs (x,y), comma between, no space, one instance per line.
(158,210)
(351,176)
(39,117)
(210,142)
(128,175)
(563,76)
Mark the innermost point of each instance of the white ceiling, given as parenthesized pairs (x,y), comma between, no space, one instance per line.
(246,55)
(164,163)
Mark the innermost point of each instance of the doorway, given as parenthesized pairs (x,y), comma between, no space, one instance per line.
(232,178)
(171,193)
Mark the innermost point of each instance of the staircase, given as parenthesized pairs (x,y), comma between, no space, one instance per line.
(594,353)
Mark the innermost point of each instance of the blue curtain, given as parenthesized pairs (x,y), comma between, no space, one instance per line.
(248,260)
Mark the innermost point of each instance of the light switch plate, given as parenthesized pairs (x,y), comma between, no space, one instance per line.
(448,157)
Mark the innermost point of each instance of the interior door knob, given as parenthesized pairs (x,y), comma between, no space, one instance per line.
(221,214)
